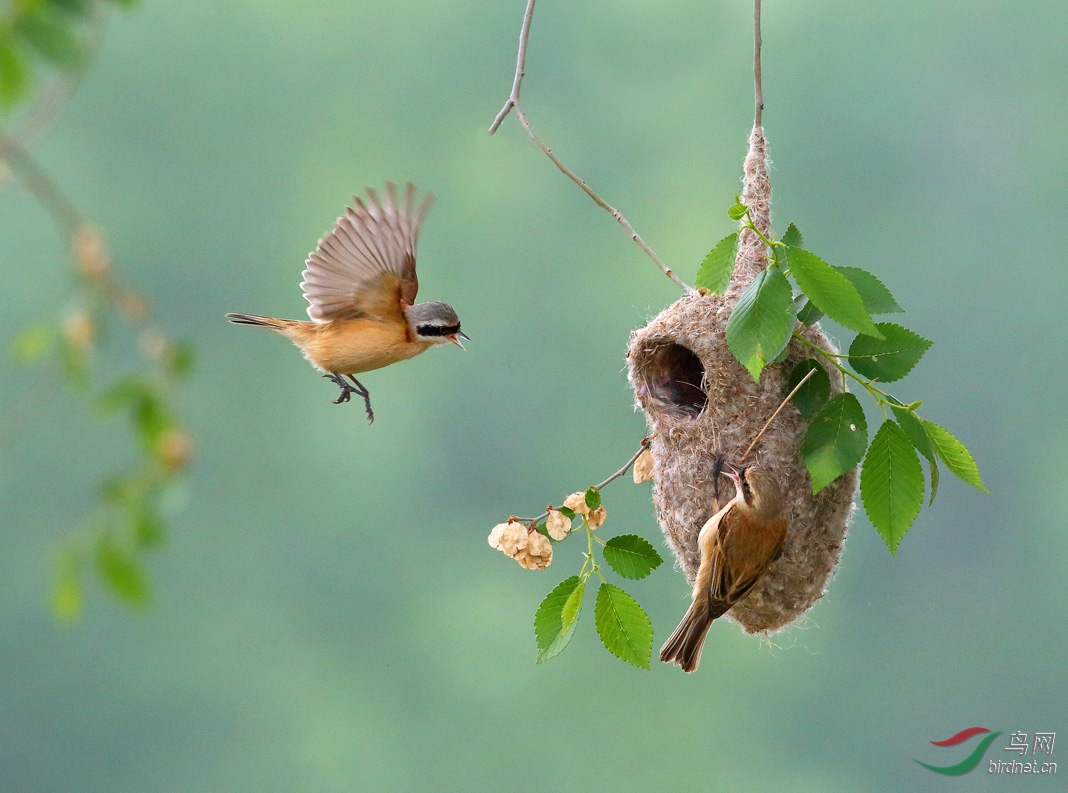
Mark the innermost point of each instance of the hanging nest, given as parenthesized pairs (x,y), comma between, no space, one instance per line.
(701,403)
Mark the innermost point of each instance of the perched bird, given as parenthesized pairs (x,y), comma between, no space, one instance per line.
(738,544)
(360,282)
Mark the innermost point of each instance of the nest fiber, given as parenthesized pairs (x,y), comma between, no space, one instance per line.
(700,402)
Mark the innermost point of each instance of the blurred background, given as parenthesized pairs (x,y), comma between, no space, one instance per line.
(325,614)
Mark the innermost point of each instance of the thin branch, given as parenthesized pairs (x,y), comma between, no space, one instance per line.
(513,102)
(43,187)
(520,68)
(641,448)
(758,115)
(777,410)
(599,201)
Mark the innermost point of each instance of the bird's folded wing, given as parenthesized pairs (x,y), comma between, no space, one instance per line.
(366,264)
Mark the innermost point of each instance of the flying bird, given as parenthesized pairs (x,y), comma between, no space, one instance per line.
(360,284)
(737,544)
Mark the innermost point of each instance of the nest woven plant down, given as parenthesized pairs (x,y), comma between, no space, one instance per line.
(700,403)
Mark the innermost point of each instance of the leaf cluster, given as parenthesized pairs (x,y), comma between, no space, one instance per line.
(622,625)
(127,522)
(798,288)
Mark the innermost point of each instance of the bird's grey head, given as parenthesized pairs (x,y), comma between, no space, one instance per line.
(435,323)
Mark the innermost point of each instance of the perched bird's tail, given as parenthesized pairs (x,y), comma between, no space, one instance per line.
(684,646)
(253,319)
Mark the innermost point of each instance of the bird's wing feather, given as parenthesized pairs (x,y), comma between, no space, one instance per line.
(365,265)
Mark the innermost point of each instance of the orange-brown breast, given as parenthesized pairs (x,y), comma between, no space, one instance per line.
(351,346)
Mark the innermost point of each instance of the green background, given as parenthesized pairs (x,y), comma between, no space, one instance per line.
(326,613)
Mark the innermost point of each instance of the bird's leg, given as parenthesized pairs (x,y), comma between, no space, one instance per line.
(346,389)
(361,390)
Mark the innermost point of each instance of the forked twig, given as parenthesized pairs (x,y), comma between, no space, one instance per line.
(513,102)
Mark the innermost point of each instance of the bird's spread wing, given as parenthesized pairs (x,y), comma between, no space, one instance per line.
(366,264)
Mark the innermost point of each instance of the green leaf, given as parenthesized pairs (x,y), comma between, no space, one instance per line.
(737,212)
(792,237)
(33,343)
(557,617)
(831,291)
(762,321)
(917,435)
(78,8)
(593,498)
(52,40)
(814,393)
(891,483)
(67,594)
(631,556)
(955,454)
(889,358)
(14,80)
(716,270)
(623,626)
(179,360)
(809,314)
(147,528)
(835,441)
(121,572)
(567,511)
(877,298)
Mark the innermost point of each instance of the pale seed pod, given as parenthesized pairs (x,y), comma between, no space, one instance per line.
(538,553)
(557,524)
(174,450)
(643,467)
(79,329)
(90,254)
(509,538)
(577,503)
(596,517)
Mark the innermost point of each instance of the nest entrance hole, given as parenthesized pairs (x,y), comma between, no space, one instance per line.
(675,378)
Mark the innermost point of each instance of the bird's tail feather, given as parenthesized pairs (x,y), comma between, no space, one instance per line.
(254,319)
(684,647)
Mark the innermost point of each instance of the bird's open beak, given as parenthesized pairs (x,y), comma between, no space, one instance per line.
(453,338)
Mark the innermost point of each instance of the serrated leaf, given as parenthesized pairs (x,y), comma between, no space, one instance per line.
(67,594)
(891,483)
(813,395)
(121,572)
(557,616)
(761,322)
(809,314)
(715,271)
(916,433)
(631,556)
(955,454)
(835,441)
(33,343)
(623,626)
(889,358)
(792,237)
(593,498)
(51,39)
(830,291)
(567,511)
(876,297)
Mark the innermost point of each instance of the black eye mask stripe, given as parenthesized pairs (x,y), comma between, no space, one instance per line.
(437,330)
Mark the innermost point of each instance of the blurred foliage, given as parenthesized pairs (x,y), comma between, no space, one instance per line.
(44,34)
(59,35)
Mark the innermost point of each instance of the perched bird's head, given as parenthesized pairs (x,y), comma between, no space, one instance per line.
(436,323)
(760,490)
